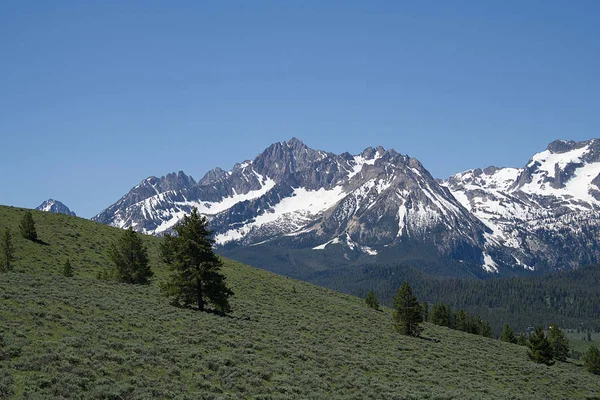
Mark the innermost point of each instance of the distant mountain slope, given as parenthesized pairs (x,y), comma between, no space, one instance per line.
(546,215)
(55,206)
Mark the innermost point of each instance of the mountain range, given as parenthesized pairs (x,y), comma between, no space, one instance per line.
(301,211)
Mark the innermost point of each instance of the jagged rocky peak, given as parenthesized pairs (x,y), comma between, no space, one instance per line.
(55,206)
(175,181)
(564,146)
(214,175)
(172,181)
(284,158)
(369,153)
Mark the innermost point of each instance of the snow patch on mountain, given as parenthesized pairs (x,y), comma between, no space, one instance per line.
(489,264)
(322,246)
(289,215)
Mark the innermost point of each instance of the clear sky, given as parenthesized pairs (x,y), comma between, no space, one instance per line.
(96,96)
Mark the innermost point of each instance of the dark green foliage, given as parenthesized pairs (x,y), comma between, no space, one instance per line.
(130,259)
(196,276)
(540,350)
(485,329)
(27,227)
(441,314)
(570,296)
(371,300)
(522,340)
(7,251)
(425,307)
(558,342)
(408,313)
(67,269)
(508,335)
(591,360)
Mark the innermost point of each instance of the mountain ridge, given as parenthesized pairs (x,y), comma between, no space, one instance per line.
(293,196)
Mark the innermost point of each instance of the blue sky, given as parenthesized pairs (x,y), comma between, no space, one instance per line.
(96,96)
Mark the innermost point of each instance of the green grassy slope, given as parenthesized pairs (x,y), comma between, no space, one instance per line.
(84,242)
(79,337)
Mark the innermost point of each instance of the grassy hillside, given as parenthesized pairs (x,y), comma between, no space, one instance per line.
(61,237)
(79,337)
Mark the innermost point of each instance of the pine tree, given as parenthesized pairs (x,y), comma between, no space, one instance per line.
(67,269)
(408,313)
(130,258)
(371,300)
(508,335)
(27,227)
(591,360)
(522,340)
(539,347)
(196,276)
(558,342)
(7,249)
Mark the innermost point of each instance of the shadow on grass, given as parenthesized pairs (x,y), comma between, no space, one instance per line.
(40,241)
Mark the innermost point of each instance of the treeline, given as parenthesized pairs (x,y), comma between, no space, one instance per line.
(569,298)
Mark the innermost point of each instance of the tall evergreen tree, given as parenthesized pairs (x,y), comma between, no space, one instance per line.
(508,335)
(539,347)
(371,300)
(591,360)
(558,342)
(408,313)
(67,269)
(196,276)
(8,251)
(27,227)
(130,258)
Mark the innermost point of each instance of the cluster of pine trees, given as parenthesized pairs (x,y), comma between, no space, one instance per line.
(546,348)
(441,314)
(195,278)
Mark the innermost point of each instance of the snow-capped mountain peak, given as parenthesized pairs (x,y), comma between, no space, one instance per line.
(55,206)
(535,212)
